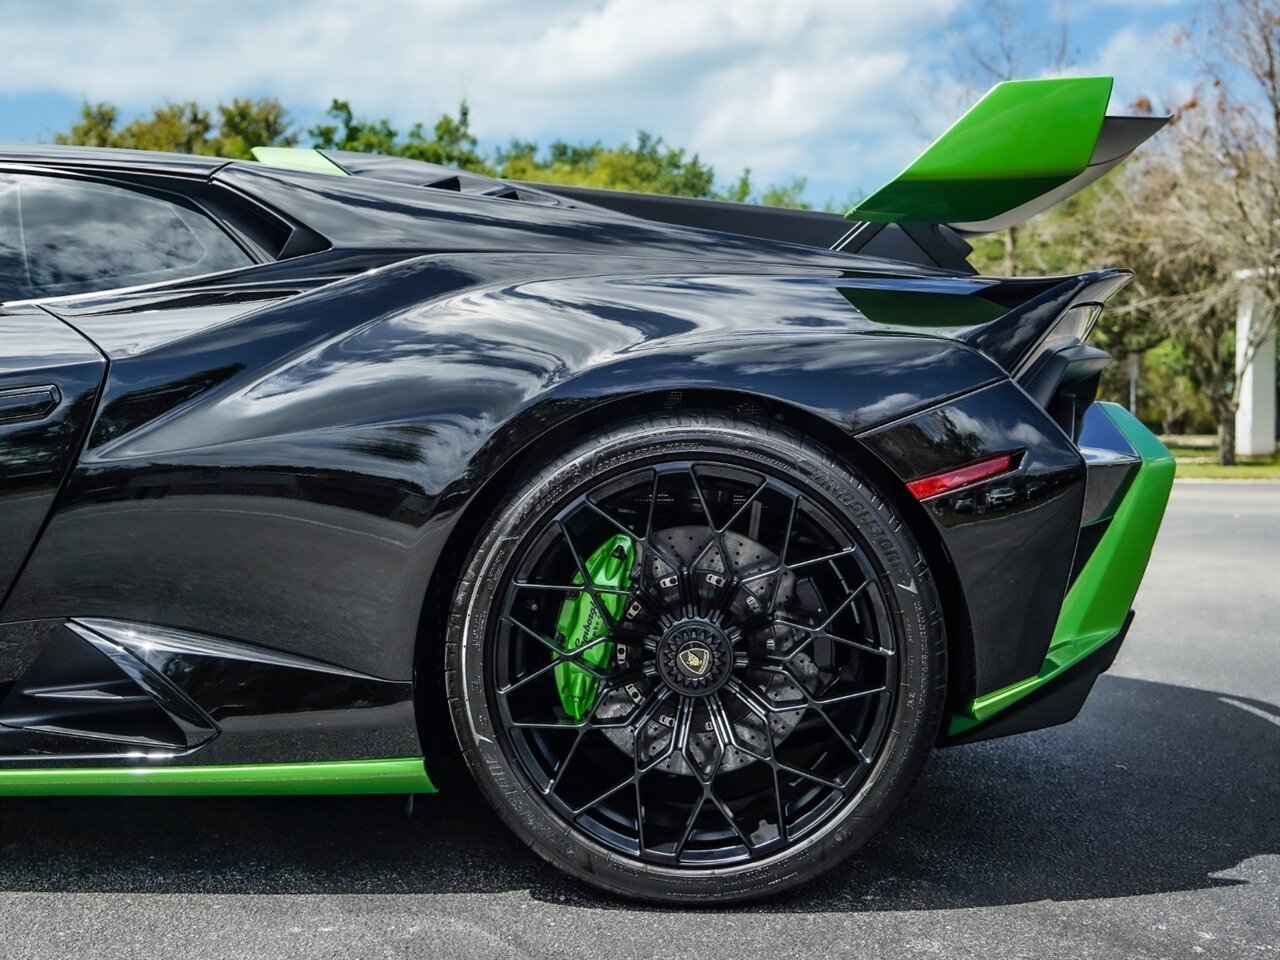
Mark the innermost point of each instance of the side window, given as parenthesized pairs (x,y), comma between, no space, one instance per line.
(60,237)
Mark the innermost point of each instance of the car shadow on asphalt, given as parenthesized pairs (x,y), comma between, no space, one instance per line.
(1154,788)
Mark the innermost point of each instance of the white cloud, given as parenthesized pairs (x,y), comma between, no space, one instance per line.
(840,91)
(745,83)
(1145,64)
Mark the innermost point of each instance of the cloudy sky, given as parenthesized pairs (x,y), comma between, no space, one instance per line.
(843,93)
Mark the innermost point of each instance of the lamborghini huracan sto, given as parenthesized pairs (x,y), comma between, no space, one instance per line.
(691,527)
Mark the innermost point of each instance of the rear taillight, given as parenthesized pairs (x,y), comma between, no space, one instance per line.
(955,479)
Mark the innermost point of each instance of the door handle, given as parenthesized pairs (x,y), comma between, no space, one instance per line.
(28,403)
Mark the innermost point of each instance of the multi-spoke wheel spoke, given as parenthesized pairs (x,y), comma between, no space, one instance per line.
(694,663)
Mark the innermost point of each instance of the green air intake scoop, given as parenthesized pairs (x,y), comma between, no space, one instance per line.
(297,158)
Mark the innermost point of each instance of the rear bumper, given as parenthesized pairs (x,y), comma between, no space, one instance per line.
(1130,476)
(1050,704)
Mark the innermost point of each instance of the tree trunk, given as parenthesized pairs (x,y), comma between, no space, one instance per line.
(1011,252)
(1227,438)
(1133,368)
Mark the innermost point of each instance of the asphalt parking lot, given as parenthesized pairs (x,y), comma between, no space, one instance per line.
(1148,827)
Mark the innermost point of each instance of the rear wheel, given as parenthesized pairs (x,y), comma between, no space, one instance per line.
(695,659)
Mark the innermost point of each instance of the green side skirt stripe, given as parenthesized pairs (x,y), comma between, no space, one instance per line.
(1098,602)
(407,775)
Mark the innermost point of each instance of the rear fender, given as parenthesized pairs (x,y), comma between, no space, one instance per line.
(356,422)
(1011,539)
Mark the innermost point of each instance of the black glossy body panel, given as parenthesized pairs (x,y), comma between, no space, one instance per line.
(357,212)
(56,373)
(1011,538)
(355,422)
(280,455)
(95,692)
(811,228)
(100,158)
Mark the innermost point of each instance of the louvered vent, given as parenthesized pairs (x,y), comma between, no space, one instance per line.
(488,187)
(446,183)
(88,689)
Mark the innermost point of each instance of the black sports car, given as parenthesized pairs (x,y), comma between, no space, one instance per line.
(702,522)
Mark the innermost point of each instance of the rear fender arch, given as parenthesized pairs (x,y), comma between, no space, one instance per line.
(503,477)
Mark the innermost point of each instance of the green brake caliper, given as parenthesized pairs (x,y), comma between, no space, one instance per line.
(581,622)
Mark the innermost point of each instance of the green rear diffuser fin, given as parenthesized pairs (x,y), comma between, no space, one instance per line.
(1021,140)
(1098,602)
(297,158)
(580,622)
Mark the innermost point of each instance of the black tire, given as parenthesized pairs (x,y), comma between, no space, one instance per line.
(900,610)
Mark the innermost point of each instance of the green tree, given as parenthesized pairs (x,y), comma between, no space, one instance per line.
(739,191)
(349,133)
(1174,398)
(174,127)
(452,143)
(647,166)
(790,194)
(245,124)
(1208,221)
(185,128)
(95,128)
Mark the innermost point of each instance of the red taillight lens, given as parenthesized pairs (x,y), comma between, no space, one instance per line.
(927,487)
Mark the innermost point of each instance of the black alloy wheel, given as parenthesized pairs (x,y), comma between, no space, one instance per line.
(696,658)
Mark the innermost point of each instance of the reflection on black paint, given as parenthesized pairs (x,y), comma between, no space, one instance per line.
(1011,539)
(143,405)
(324,444)
(38,350)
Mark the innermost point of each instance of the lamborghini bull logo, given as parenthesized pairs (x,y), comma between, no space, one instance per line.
(695,658)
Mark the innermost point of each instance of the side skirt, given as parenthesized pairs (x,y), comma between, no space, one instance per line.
(407,775)
(91,693)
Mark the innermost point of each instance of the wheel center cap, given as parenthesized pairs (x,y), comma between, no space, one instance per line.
(694,657)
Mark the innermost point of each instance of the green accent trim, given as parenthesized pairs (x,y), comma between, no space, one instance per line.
(1021,140)
(1095,607)
(580,622)
(407,775)
(297,158)
(922,309)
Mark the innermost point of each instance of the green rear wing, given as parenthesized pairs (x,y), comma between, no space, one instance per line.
(1023,147)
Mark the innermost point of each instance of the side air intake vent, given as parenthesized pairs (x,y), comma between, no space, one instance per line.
(446,183)
(433,176)
(1065,381)
(478,186)
(83,688)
